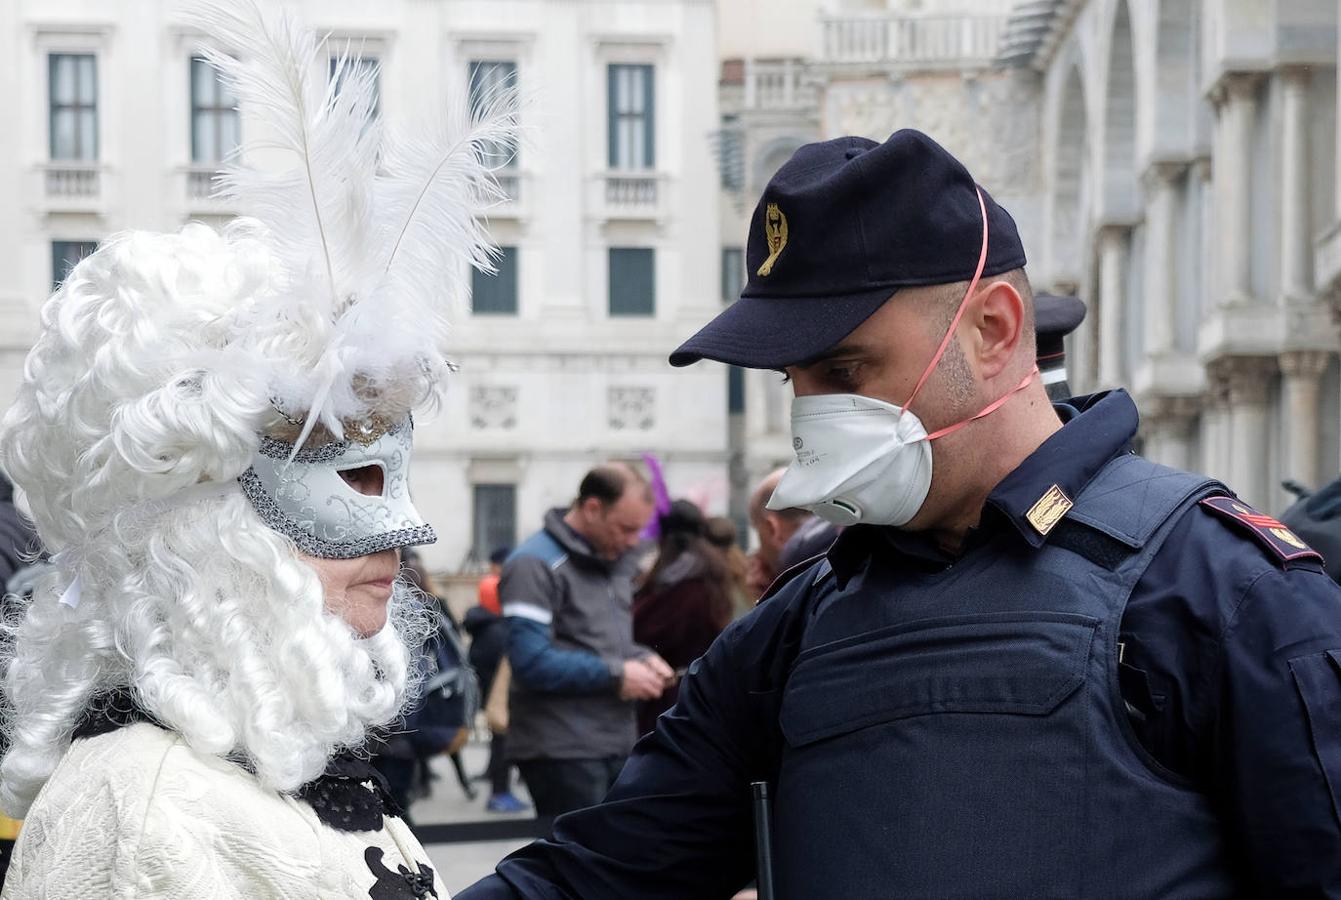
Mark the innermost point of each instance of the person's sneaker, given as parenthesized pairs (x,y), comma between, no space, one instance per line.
(505,803)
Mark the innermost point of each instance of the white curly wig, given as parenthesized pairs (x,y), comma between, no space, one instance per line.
(139,408)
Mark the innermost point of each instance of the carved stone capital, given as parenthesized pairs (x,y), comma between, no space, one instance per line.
(1163,174)
(1244,379)
(1295,78)
(1234,87)
(1173,411)
(1304,363)
(1111,235)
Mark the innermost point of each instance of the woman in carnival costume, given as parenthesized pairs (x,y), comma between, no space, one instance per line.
(213,435)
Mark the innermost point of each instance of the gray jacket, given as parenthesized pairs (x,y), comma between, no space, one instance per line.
(570,629)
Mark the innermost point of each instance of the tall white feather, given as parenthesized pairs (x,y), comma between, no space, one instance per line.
(373,235)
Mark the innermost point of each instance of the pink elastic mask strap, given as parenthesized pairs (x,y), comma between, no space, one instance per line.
(959,313)
(993,407)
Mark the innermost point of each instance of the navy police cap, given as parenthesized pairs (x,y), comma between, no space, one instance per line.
(1055,316)
(841,227)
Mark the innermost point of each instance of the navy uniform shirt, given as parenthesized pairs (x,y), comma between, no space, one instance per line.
(1225,670)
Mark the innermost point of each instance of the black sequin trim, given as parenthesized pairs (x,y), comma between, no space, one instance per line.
(276,520)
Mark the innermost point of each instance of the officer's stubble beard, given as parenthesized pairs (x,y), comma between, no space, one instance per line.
(956,396)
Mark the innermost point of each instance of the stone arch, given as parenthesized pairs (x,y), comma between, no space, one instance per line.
(770,158)
(1068,209)
(1120,197)
(1176,98)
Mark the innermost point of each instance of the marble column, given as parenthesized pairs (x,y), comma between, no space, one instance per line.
(1296,216)
(1302,373)
(1159,289)
(1168,422)
(1215,425)
(1248,379)
(1112,303)
(1204,176)
(1336,186)
(1236,101)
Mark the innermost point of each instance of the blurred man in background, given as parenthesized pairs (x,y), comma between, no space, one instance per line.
(775,528)
(567,596)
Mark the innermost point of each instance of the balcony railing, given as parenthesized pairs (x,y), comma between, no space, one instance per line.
(777,84)
(510,183)
(913,42)
(515,199)
(73,181)
(200,183)
(197,191)
(628,194)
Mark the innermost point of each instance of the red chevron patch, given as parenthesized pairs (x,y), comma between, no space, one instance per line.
(1269,532)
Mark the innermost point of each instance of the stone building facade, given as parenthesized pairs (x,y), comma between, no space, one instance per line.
(1173,162)
(610,229)
(1190,151)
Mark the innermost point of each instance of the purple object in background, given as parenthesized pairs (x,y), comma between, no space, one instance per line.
(660,493)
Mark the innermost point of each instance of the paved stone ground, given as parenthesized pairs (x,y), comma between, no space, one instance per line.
(461,865)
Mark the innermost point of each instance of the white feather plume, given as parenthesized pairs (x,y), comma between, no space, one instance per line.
(372,234)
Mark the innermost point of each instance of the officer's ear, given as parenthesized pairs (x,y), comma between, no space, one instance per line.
(996,315)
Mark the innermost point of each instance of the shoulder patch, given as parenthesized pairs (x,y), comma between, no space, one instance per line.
(1283,543)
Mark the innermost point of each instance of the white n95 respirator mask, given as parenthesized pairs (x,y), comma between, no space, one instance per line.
(859,459)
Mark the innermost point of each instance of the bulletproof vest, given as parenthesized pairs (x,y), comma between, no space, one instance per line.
(961,733)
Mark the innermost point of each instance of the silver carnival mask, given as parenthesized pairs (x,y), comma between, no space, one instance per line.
(307,500)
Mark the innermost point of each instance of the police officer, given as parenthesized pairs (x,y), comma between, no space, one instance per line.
(1034,665)
(1055,316)
(1316,518)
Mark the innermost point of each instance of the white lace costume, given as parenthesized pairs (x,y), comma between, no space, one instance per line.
(136,813)
(187,688)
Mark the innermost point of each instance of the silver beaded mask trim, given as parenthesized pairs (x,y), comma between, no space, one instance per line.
(306,499)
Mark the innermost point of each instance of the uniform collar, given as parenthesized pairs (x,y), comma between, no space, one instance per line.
(1094,429)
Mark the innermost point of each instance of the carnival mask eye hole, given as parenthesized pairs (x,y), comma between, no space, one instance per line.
(368,480)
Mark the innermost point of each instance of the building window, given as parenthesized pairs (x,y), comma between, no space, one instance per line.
(495,522)
(632,281)
(731,154)
(215,131)
(735,390)
(342,67)
(73,88)
(496,294)
(490,80)
(733,273)
(632,107)
(65,255)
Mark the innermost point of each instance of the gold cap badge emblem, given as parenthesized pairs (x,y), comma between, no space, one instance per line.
(775,230)
(1048,511)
